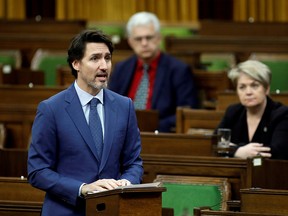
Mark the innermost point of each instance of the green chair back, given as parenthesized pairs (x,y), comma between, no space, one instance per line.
(110,29)
(184,193)
(217,61)
(48,61)
(10,57)
(7,60)
(278,64)
(279,70)
(175,31)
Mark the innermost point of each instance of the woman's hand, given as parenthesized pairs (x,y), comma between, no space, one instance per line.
(252,150)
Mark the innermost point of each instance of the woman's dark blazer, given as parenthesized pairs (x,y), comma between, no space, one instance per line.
(272,130)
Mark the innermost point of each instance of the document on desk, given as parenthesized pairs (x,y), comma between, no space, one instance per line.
(133,186)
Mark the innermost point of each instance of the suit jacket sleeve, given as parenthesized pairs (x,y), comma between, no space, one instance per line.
(42,159)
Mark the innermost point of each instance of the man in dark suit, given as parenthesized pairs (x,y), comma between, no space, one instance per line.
(170,81)
(65,158)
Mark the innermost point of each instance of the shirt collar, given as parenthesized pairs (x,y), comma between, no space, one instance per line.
(85,97)
(152,65)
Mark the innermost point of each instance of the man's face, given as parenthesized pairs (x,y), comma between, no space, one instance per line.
(94,68)
(145,42)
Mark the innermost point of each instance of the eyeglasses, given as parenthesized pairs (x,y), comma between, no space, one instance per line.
(148,38)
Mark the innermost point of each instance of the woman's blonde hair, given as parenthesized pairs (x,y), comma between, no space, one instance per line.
(253,68)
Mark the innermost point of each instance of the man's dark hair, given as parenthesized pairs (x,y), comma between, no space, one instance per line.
(77,46)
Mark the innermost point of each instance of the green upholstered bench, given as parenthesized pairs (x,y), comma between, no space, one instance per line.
(184,193)
(48,61)
(10,57)
(278,64)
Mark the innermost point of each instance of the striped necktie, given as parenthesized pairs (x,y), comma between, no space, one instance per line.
(141,96)
(96,127)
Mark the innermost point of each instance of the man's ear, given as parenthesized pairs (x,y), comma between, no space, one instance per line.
(75,65)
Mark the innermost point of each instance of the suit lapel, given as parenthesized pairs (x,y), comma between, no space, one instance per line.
(75,112)
(110,121)
(160,76)
(126,78)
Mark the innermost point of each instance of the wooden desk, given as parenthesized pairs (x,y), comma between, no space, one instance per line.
(18,197)
(30,35)
(29,43)
(17,189)
(44,26)
(148,120)
(238,171)
(241,46)
(264,201)
(233,169)
(22,94)
(209,84)
(177,144)
(197,119)
(207,212)
(232,28)
(126,202)
(22,76)
(18,109)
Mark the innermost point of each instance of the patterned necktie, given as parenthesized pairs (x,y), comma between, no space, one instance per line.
(95,126)
(141,96)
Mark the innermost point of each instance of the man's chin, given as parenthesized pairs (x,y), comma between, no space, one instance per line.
(98,86)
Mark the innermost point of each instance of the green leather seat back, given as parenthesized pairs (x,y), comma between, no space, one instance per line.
(175,31)
(10,57)
(184,197)
(49,65)
(216,65)
(7,60)
(279,71)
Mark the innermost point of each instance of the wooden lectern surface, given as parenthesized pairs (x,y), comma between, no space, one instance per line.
(127,201)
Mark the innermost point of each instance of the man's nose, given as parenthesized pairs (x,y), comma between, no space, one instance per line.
(103,64)
(144,40)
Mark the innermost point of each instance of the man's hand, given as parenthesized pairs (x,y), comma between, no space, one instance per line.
(100,185)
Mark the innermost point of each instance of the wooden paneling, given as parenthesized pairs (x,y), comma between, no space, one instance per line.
(22,76)
(43,27)
(238,171)
(30,35)
(19,198)
(230,28)
(177,144)
(18,109)
(257,200)
(187,119)
(240,46)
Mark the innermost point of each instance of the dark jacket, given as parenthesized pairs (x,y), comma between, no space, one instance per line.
(174,87)
(272,130)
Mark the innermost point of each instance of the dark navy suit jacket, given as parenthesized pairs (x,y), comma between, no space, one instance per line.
(62,154)
(174,87)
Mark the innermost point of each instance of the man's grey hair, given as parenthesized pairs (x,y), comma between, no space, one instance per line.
(142,19)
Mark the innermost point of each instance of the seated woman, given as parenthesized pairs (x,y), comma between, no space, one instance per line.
(259,125)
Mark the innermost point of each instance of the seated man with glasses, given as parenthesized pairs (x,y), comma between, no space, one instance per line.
(151,78)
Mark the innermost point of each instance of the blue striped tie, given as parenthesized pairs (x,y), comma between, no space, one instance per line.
(141,96)
(95,127)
